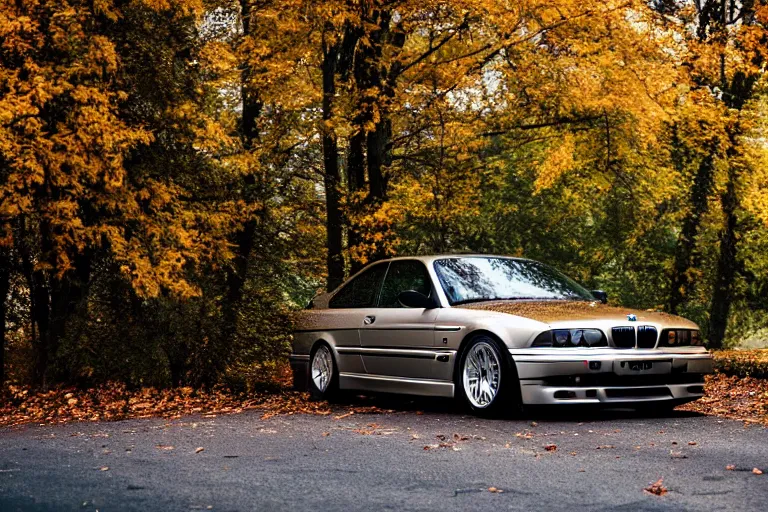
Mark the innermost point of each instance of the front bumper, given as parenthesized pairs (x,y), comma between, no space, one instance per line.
(610,376)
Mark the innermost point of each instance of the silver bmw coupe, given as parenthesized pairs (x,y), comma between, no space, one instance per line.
(496,332)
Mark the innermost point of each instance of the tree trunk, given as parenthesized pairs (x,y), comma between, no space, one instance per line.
(378,159)
(378,141)
(722,295)
(355,183)
(237,274)
(726,273)
(5,285)
(703,182)
(67,299)
(332,176)
(40,317)
(244,238)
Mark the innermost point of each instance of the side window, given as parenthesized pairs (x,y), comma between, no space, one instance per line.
(360,292)
(402,276)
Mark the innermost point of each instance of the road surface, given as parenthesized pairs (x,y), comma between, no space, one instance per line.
(438,459)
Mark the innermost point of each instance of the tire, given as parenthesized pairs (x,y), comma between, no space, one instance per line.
(323,373)
(486,379)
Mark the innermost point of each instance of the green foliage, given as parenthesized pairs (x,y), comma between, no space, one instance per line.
(177,177)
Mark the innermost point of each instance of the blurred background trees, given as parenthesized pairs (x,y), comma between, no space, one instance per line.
(177,176)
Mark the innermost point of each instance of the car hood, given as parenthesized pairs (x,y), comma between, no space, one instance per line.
(556,311)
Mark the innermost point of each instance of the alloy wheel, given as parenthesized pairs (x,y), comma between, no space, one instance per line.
(481,375)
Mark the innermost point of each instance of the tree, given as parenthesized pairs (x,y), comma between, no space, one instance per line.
(725,59)
(81,143)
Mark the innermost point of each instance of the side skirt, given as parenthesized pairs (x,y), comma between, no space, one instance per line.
(396,385)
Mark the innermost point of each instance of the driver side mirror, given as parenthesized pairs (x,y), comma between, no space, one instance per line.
(414,299)
(600,295)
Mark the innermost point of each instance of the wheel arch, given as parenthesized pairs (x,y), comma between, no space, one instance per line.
(504,353)
(323,341)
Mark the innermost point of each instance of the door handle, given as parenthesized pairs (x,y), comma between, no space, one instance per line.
(368,320)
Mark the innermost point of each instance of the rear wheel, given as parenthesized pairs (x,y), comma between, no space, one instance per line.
(323,373)
(485,379)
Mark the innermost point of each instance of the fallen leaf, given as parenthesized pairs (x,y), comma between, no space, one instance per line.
(164,447)
(731,467)
(657,488)
(757,471)
(104,468)
(199,449)
(494,489)
(550,447)
(692,443)
(677,455)
(326,434)
(342,416)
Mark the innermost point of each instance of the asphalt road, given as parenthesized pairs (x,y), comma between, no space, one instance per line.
(602,461)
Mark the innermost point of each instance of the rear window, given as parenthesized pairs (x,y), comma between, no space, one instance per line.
(362,291)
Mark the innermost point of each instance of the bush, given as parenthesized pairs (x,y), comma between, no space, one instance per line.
(742,363)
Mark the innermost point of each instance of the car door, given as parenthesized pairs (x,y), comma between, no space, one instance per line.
(397,341)
(349,306)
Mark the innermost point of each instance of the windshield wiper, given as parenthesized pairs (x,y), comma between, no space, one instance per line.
(489,299)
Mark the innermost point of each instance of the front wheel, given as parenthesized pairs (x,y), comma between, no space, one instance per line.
(485,378)
(324,375)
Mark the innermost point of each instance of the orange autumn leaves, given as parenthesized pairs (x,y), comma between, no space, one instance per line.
(68,143)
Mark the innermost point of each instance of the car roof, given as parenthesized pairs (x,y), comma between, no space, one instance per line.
(432,257)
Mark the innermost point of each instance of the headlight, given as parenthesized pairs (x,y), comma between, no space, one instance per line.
(680,338)
(696,338)
(594,338)
(561,337)
(571,338)
(576,338)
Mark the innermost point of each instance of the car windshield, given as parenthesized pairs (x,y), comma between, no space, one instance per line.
(477,279)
